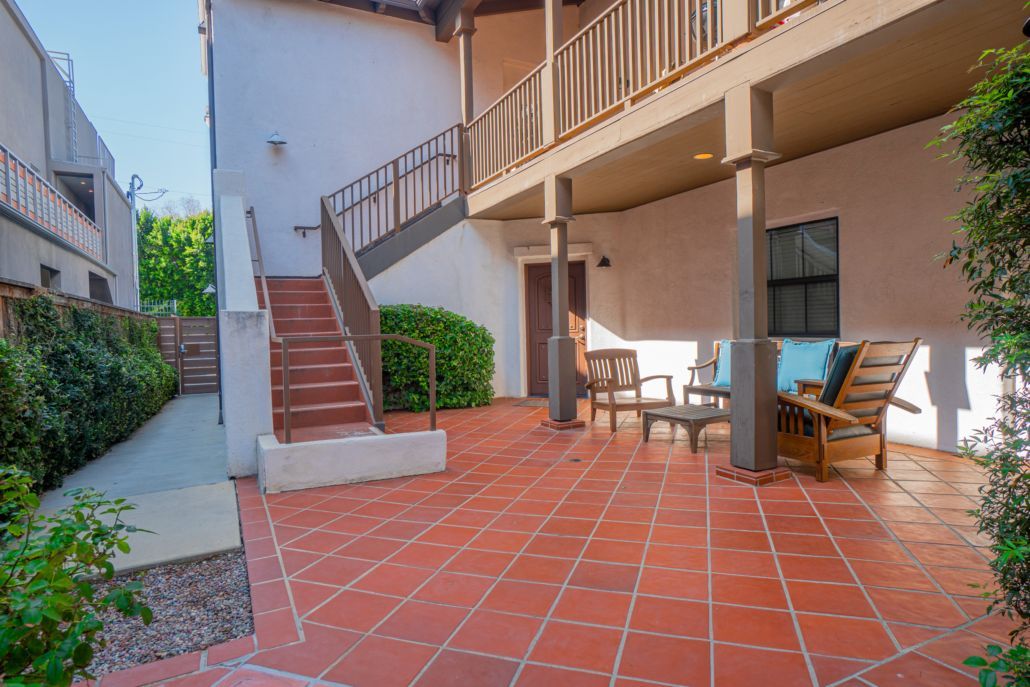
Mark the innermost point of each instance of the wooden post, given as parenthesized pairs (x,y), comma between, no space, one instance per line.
(395,195)
(553,38)
(561,348)
(749,129)
(738,19)
(464,28)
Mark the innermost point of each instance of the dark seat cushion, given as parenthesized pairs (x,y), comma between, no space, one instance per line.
(838,373)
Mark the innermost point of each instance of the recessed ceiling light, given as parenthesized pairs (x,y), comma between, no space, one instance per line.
(83,183)
(704,156)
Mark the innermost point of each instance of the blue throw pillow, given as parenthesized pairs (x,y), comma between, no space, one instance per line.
(802,360)
(722,365)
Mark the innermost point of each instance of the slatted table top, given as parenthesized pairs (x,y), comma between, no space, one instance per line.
(689,412)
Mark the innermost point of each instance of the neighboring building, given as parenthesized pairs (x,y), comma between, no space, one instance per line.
(64,222)
(635,128)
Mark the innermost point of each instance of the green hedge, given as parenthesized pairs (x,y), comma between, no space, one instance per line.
(464,359)
(73,384)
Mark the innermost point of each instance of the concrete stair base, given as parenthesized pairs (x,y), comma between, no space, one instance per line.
(363,458)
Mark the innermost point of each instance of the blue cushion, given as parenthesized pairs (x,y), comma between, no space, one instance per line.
(722,365)
(802,360)
(838,373)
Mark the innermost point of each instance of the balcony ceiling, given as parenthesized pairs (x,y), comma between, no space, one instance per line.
(919,73)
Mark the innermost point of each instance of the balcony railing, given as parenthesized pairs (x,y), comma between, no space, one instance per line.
(31,196)
(633,49)
(510,131)
(379,204)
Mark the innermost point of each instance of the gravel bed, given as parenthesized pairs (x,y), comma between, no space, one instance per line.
(195,605)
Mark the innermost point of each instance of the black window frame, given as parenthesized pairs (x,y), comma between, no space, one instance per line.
(820,279)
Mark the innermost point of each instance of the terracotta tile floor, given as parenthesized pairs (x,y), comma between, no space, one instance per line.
(583,558)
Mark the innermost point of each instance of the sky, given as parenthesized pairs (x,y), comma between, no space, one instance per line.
(137,77)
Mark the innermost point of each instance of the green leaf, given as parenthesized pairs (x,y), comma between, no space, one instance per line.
(975,661)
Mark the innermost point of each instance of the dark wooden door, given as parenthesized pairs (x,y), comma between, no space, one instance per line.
(538,323)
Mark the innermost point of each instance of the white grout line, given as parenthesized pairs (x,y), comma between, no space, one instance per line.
(643,560)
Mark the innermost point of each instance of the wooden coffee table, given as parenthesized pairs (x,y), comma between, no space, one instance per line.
(693,417)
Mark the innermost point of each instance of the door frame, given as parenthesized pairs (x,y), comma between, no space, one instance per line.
(535,255)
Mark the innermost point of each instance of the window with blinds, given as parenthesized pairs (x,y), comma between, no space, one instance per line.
(803,295)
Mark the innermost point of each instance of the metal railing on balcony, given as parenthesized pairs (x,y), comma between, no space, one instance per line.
(509,131)
(34,198)
(380,203)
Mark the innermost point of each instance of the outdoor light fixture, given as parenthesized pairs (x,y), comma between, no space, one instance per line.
(704,156)
(276,140)
(604,262)
(210,289)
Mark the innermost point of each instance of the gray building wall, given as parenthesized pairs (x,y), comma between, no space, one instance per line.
(36,108)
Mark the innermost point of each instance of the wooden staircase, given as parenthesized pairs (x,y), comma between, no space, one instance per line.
(326,399)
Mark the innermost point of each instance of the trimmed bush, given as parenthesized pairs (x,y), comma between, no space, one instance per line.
(74,383)
(464,359)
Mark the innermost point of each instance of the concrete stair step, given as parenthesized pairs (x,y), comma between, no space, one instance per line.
(294,298)
(308,327)
(314,374)
(316,393)
(322,414)
(294,284)
(302,311)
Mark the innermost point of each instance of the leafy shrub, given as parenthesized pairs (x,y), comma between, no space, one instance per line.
(48,607)
(464,359)
(73,385)
(991,138)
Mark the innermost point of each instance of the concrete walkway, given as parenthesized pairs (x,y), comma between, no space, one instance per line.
(174,469)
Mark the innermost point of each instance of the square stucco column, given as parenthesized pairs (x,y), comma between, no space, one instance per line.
(561,348)
(753,355)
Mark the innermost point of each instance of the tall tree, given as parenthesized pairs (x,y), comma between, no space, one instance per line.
(176,262)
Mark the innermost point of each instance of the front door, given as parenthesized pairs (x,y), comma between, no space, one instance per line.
(538,323)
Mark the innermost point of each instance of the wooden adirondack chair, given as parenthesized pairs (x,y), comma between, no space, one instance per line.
(614,370)
(848,419)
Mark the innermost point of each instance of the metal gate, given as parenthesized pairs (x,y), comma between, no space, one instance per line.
(190,344)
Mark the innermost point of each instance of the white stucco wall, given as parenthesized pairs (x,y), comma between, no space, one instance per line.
(348,90)
(668,292)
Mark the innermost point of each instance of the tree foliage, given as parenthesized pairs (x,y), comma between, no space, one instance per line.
(175,262)
(73,383)
(49,621)
(991,139)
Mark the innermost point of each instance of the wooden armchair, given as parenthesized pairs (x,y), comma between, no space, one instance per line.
(706,389)
(848,419)
(614,370)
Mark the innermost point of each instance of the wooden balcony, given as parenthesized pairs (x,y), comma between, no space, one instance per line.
(638,92)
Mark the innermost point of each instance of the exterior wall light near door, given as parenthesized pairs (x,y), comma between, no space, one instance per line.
(276,140)
(604,262)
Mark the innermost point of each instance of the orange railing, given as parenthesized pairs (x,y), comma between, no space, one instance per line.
(510,131)
(380,203)
(31,196)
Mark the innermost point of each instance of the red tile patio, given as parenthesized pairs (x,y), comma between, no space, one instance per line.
(581,558)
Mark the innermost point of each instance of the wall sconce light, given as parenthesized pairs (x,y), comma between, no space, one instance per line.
(604,262)
(275,139)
